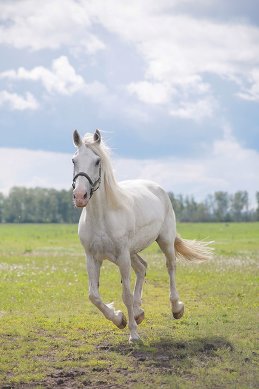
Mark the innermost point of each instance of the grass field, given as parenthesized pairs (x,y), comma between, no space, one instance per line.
(52,336)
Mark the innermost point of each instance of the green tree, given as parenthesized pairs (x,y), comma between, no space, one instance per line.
(257,208)
(178,205)
(239,205)
(2,205)
(221,206)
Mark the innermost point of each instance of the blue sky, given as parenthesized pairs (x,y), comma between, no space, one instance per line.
(173,85)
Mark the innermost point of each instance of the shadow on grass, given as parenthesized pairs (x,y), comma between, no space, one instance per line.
(167,351)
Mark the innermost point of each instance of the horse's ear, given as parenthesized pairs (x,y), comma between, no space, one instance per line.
(97,136)
(77,139)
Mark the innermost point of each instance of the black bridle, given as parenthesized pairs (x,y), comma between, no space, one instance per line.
(94,185)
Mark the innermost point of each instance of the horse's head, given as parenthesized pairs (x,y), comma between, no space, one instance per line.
(87,170)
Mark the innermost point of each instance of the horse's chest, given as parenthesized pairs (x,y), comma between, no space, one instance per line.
(106,237)
(100,244)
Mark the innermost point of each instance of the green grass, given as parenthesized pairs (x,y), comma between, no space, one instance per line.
(51,335)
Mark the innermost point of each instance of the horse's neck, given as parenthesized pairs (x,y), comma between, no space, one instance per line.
(109,196)
(103,200)
(98,204)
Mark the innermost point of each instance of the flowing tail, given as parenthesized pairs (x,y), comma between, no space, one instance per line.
(192,250)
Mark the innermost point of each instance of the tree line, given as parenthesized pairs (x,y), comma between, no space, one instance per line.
(41,205)
(218,207)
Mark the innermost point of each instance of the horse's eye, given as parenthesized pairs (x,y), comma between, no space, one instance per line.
(97,162)
(73,161)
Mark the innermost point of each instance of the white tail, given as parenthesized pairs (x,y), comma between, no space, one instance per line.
(192,250)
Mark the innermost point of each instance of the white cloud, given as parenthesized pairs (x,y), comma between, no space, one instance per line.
(18,102)
(227,166)
(34,168)
(174,45)
(62,77)
(170,95)
(252,93)
(179,50)
(151,93)
(50,26)
(197,110)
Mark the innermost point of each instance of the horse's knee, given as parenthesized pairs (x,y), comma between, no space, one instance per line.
(127,297)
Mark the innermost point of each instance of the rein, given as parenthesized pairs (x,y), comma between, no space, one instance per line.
(94,184)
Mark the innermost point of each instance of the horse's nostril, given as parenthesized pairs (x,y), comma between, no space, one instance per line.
(85,195)
(74,196)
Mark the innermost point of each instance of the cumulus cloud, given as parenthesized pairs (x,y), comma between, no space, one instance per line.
(18,102)
(176,45)
(198,110)
(179,50)
(61,78)
(151,93)
(164,94)
(173,43)
(51,26)
(251,93)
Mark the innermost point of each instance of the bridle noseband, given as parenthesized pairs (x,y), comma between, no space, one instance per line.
(94,185)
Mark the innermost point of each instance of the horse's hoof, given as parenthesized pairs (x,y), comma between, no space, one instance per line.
(140,318)
(123,322)
(135,340)
(178,315)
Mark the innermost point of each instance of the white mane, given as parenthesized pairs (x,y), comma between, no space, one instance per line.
(114,192)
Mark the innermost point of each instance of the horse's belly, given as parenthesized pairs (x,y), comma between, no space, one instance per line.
(144,237)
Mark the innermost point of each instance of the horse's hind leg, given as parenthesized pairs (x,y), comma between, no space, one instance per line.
(167,246)
(124,263)
(139,266)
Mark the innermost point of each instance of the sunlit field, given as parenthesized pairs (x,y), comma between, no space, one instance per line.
(51,335)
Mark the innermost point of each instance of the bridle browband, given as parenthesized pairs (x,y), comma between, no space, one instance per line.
(94,184)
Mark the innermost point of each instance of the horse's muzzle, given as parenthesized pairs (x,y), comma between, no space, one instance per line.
(80,200)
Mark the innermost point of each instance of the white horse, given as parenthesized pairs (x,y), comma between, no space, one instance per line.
(118,221)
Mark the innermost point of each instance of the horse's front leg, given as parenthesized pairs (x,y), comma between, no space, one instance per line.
(124,264)
(93,269)
(139,266)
